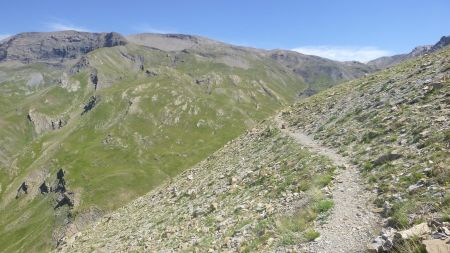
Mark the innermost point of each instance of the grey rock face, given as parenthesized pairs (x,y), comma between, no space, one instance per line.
(55,46)
(90,104)
(443,42)
(23,189)
(420,50)
(44,188)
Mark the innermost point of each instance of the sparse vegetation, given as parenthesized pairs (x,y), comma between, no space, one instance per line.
(311,235)
(396,131)
(324,205)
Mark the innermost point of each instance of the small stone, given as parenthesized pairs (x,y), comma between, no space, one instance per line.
(417,230)
(233,181)
(213,207)
(197,212)
(413,188)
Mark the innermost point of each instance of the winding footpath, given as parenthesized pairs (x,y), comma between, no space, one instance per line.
(351,224)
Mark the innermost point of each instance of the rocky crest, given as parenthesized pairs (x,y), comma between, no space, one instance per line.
(388,61)
(55,46)
(443,42)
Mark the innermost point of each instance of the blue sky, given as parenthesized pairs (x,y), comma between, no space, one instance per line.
(343,30)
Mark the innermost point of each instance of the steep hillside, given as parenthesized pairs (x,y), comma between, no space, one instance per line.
(259,192)
(265,192)
(115,123)
(394,125)
(87,118)
(389,61)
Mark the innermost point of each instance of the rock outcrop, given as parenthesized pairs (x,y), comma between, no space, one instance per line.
(443,42)
(23,189)
(44,188)
(90,104)
(61,182)
(64,199)
(43,123)
(55,46)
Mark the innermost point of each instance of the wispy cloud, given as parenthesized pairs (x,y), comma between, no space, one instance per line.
(362,54)
(143,28)
(62,26)
(4,36)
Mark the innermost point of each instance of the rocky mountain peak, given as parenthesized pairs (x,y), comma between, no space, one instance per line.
(443,42)
(55,46)
(389,61)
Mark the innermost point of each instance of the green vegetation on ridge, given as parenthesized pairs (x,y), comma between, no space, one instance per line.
(157,114)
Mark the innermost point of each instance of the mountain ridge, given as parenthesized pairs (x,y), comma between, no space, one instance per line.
(388,61)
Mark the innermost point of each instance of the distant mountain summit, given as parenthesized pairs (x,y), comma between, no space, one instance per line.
(55,46)
(388,61)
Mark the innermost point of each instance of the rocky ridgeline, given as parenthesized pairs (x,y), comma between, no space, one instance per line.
(55,46)
(394,125)
(389,61)
(239,199)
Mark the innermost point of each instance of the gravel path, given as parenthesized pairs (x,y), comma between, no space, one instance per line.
(351,225)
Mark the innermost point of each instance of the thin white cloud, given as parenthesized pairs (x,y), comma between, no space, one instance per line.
(149,29)
(59,26)
(362,54)
(4,36)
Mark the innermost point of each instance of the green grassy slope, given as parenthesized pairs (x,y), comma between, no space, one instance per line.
(157,114)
